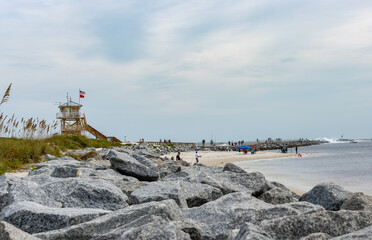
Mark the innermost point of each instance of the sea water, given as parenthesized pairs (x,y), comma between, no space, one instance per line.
(346,164)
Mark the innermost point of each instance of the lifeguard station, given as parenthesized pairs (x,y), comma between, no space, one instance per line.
(73,122)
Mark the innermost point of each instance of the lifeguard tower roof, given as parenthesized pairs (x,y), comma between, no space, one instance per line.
(70,104)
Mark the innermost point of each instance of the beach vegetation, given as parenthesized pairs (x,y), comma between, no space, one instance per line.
(16,153)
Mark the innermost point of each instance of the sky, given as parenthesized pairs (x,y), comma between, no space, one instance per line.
(193,70)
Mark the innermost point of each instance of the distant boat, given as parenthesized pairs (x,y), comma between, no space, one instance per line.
(342,139)
(353,141)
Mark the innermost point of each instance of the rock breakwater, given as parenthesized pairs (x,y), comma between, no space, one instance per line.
(132,193)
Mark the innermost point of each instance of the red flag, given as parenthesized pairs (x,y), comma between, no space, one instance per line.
(82,94)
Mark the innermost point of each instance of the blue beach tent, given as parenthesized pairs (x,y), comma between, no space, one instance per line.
(244,147)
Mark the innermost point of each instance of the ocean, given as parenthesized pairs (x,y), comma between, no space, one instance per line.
(346,164)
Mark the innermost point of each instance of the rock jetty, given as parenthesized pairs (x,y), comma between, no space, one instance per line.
(132,193)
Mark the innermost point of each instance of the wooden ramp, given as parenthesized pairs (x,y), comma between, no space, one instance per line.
(95,132)
(98,134)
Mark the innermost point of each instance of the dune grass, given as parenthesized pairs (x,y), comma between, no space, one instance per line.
(18,153)
(24,141)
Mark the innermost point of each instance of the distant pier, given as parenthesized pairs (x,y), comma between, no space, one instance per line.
(260,146)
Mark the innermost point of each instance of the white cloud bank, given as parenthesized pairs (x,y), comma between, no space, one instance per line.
(188,70)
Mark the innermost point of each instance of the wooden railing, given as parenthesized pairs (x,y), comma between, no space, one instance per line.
(69,115)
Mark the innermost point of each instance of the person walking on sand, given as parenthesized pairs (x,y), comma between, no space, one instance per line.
(197,157)
(178,157)
(296,150)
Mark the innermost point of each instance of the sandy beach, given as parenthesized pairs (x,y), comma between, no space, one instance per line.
(216,158)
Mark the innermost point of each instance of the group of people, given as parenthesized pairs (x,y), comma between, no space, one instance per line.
(231,143)
(178,157)
(238,143)
(284,149)
(211,143)
(165,141)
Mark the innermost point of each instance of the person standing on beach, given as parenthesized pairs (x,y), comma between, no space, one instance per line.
(178,157)
(296,150)
(197,157)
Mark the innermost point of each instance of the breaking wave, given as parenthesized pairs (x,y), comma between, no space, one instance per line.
(330,140)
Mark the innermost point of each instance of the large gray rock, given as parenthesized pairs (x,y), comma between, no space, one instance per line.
(127,184)
(328,195)
(271,185)
(70,168)
(184,193)
(227,182)
(218,219)
(358,202)
(129,222)
(34,218)
(10,232)
(70,192)
(233,168)
(329,222)
(26,190)
(158,191)
(363,234)
(198,194)
(277,196)
(133,165)
(87,193)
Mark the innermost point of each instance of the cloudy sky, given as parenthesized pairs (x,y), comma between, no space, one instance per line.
(188,70)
